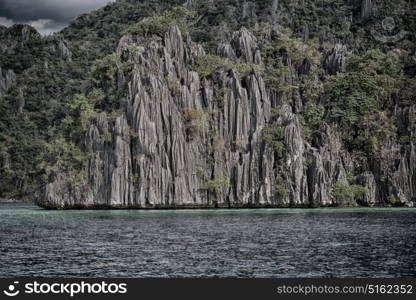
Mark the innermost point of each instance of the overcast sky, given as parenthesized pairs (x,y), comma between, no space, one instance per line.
(45,15)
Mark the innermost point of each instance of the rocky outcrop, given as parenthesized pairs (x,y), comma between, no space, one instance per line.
(5,160)
(399,161)
(326,166)
(7,81)
(335,59)
(185,141)
(150,158)
(18,35)
(245,46)
(169,137)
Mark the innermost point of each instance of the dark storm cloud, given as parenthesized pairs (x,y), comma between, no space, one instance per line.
(45,15)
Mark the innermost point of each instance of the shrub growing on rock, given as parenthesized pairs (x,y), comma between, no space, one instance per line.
(196,121)
(348,194)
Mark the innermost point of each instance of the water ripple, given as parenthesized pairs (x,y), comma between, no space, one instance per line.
(223,243)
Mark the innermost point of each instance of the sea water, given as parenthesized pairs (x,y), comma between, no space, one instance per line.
(359,242)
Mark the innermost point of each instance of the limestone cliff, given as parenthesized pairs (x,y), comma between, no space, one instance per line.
(186,141)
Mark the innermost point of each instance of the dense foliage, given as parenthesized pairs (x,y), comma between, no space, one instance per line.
(359,100)
(159,25)
(349,194)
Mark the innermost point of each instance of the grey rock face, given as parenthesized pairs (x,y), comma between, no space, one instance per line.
(366,8)
(327,166)
(18,35)
(335,60)
(64,51)
(401,161)
(5,160)
(182,141)
(7,80)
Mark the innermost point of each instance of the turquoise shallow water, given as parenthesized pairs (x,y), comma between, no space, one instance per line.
(376,242)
